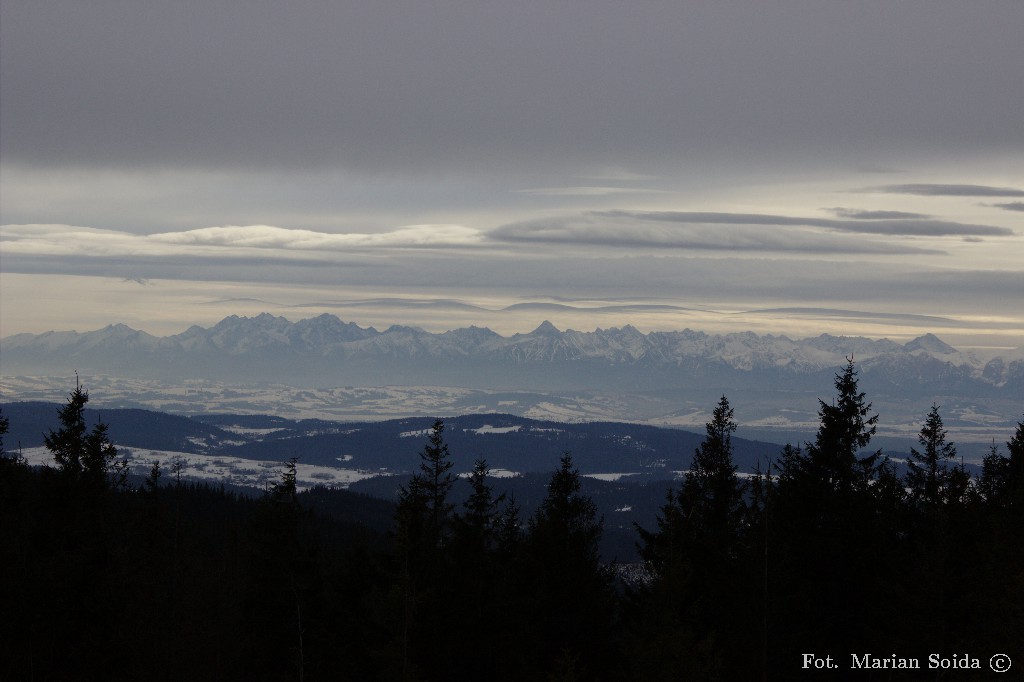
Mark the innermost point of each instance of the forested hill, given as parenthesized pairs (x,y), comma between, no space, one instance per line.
(837,553)
(508,442)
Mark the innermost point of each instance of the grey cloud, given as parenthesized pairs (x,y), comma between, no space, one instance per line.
(670,281)
(935,228)
(718,281)
(878,317)
(639,230)
(918,228)
(877,169)
(188,267)
(271,237)
(570,275)
(439,305)
(932,190)
(586,191)
(597,311)
(831,312)
(239,299)
(856,214)
(1012,206)
(619,308)
(356,118)
(411,87)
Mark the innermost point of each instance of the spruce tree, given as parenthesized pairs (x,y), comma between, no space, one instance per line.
(845,428)
(1015,461)
(694,555)
(476,527)
(826,535)
(704,515)
(152,482)
(928,476)
(1002,478)
(474,586)
(426,495)
(4,425)
(994,470)
(662,549)
(568,589)
(280,589)
(567,520)
(424,518)
(80,454)
(711,498)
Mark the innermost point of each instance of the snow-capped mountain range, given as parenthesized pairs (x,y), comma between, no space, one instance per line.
(323,367)
(326,351)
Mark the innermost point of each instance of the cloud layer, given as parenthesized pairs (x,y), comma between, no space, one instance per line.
(669,164)
(405,88)
(933,190)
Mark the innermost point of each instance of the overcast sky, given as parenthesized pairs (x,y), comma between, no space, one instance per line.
(790,167)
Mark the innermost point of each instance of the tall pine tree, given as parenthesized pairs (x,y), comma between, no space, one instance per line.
(568,589)
(928,476)
(826,514)
(84,455)
(845,429)
(695,557)
(712,496)
(424,519)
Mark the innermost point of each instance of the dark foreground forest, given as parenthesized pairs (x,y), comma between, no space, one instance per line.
(828,552)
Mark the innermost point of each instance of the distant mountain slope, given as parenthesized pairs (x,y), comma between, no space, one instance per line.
(324,351)
(505,441)
(510,443)
(30,421)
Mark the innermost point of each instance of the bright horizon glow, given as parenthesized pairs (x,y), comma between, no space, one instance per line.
(381,309)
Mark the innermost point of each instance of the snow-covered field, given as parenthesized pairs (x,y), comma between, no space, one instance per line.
(220,469)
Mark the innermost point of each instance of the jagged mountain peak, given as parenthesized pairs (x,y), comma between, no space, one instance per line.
(856,346)
(545,329)
(930,344)
(625,330)
(324,350)
(120,328)
(473,332)
(321,320)
(327,330)
(404,329)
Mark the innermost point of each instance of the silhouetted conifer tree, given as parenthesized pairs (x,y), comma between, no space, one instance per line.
(4,425)
(567,589)
(826,515)
(476,526)
(89,456)
(712,496)
(1015,461)
(928,475)
(695,557)
(994,471)
(845,428)
(424,518)
(281,587)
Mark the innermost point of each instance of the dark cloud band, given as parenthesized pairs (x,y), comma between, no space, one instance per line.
(900,226)
(928,190)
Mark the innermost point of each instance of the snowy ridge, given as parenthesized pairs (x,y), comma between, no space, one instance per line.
(324,346)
